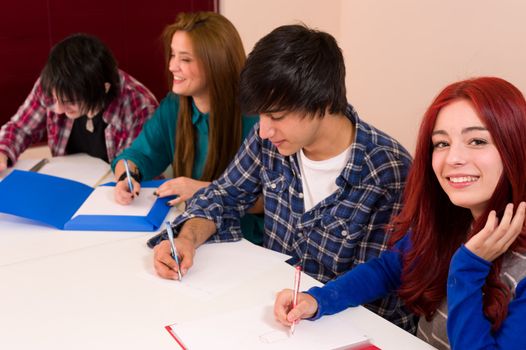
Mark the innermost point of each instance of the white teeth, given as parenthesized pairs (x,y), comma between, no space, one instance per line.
(463,179)
(177,78)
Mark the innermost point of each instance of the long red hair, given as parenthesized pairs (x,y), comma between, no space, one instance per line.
(438,226)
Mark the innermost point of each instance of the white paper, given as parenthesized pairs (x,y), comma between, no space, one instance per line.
(78,167)
(255,328)
(102,202)
(221,267)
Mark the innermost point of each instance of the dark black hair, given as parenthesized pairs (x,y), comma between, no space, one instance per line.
(294,68)
(76,70)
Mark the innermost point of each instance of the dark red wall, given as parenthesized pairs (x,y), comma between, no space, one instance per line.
(131,28)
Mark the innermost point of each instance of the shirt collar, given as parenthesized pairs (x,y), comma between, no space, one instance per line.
(353,169)
(197,115)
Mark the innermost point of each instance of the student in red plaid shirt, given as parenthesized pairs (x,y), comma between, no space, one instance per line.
(82,102)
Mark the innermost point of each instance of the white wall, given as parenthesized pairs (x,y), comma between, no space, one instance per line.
(399,54)
(256,18)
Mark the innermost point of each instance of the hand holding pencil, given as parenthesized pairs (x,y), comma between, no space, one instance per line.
(163,260)
(297,278)
(173,250)
(288,312)
(126,188)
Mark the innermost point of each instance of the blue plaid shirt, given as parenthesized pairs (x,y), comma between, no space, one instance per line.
(342,231)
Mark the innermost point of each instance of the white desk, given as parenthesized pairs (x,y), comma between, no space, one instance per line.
(86,290)
(106,296)
(25,240)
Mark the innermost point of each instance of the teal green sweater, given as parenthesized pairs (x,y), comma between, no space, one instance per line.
(153,150)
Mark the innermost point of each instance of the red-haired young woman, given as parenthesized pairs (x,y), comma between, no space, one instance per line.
(459,261)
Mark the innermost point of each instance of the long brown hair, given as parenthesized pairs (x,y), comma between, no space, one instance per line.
(219,51)
(439,227)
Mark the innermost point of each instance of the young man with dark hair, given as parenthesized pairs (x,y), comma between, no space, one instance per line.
(82,102)
(330,182)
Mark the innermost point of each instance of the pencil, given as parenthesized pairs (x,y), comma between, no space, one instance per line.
(297,276)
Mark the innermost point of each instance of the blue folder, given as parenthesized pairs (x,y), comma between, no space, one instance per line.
(54,200)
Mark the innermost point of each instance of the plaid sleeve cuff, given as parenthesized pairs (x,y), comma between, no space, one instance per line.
(155,240)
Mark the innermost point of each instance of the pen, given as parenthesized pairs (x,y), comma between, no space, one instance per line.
(128,175)
(297,276)
(35,168)
(174,250)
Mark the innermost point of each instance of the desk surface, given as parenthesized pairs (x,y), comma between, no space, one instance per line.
(81,290)
(107,296)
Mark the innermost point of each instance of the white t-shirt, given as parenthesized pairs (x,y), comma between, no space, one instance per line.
(319,177)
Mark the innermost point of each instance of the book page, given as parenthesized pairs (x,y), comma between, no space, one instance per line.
(101,202)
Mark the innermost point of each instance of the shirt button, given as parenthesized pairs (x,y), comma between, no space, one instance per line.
(344,233)
(273,186)
(300,195)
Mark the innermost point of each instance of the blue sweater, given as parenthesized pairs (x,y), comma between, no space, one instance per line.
(467,327)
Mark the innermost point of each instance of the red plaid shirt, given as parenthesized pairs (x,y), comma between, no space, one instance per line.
(125,116)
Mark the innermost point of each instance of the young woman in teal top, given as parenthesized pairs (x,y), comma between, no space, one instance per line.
(198,127)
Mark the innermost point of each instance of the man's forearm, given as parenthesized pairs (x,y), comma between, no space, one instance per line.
(197,230)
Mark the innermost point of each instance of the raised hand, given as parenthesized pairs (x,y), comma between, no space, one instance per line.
(495,238)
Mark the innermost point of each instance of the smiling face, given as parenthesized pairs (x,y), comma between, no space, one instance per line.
(188,76)
(71,109)
(74,110)
(466,162)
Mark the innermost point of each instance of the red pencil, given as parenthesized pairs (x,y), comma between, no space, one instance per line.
(297,276)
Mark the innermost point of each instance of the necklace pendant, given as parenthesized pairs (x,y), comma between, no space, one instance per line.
(89,125)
